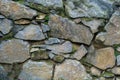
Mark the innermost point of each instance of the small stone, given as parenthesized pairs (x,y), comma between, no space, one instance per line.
(22,21)
(5,25)
(34,49)
(40,16)
(66,29)
(58,58)
(39,55)
(81,52)
(2,17)
(78,20)
(36,71)
(108,74)
(71,70)
(45,27)
(118,60)
(116,70)
(51,55)
(14,10)
(30,32)
(102,58)
(100,37)
(14,50)
(118,49)
(95,71)
(52,41)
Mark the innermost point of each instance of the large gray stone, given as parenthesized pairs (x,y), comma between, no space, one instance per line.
(36,71)
(89,8)
(5,26)
(64,28)
(15,10)
(71,70)
(31,32)
(49,3)
(14,50)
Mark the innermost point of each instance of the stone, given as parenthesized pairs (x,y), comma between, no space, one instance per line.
(41,16)
(80,53)
(5,25)
(116,70)
(95,71)
(36,71)
(22,21)
(34,49)
(14,10)
(94,24)
(52,41)
(66,29)
(112,34)
(14,50)
(39,55)
(118,60)
(58,58)
(2,17)
(107,74)
(71,70)
(118,49)
(51,3)
(3,74)
(31,32)
(102,58)
(89,8)
(45,27)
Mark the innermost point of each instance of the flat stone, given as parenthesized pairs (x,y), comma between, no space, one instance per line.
(5,25)
(2,17)
(22,21)
(53,41)
(14,50)
(112,34)
(81,52)
(31,32)
(14,10)
(66,29)
(51,3)
(89,8)
(118,60)
(102,58)
(116,70)
(36,71)
(71,70)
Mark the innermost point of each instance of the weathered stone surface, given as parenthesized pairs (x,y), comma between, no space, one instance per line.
(36,71)
(31,32)
(89,8)
(2,17)
(102,58)
(5,26)
(22,21)
(14,50)
(58,58)
(45,27)
(94,24)
(53,41)
(95,71)
(112,34)
(15,10)
(80,53)
(3,74)
(71,70)
(118,60)
(116,70)
(49,3)
(64,28)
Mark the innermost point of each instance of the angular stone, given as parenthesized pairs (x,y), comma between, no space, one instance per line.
(112,34)
(31,32)
(118,60)
(89,8)
(64,28)
(36,71)
(2,17)
(58,58)
(14,50)
(22,21)
(116,70)
(71,70)
(81,52)
(53,41)
(95,71)
(45,27)
(102,58)
(5,26)
(49,3)
(14,10)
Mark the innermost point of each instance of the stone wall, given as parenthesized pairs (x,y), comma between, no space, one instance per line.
(59,40)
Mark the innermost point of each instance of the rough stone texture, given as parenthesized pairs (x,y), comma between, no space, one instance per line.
(64,28)
(14,51)
(45,27)
(118,60)
(49,3)
(15,10)
(81,52)
(53,41)
(22,21)
(95,71)
(2,17)
(116,70)
(36,71)
(5,26)
(58,58)
(3,74)
(112,34)
(103,58)
(89,8)
(71,70)
(31,32)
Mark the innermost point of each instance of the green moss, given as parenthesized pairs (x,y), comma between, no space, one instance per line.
(8,36)
(58,58)
(107,74)
(115,49)
(19,1)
